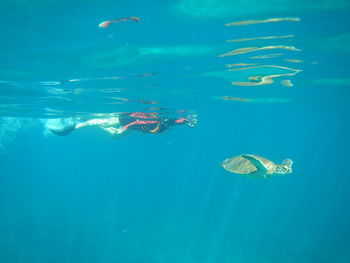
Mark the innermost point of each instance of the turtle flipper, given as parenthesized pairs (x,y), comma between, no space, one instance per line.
(257,163)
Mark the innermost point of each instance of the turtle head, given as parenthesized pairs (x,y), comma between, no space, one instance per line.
(285,167)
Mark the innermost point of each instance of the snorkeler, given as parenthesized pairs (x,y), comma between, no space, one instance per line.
(118,126)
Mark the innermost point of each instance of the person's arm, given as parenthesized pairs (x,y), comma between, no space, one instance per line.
(190,122)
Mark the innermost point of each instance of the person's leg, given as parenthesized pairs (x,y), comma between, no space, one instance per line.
(60,127)
(99,122)
(116,133)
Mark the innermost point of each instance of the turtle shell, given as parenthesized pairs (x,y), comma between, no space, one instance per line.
(241,165)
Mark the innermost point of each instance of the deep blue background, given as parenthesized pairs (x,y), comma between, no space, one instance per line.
(165,198)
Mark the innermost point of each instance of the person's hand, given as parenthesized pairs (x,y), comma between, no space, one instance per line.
(192,123)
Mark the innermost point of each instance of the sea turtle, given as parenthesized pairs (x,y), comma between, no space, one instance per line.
(254,166)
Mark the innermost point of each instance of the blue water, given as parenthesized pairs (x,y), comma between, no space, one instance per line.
(164,198)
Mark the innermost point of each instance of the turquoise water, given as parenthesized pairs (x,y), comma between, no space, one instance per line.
(164,198)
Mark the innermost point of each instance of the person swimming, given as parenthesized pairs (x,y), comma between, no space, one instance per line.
(122,125)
